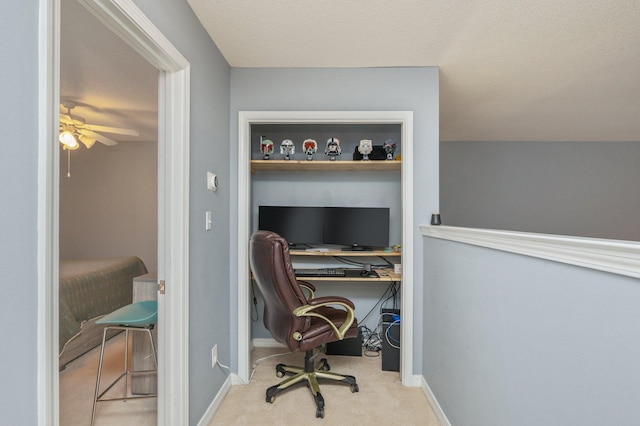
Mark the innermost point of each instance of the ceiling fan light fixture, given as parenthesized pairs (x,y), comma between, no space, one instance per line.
(87,141)
(68,140)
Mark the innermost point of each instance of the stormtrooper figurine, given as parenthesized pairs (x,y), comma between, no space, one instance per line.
(287,148)
(333,148)
(365,148)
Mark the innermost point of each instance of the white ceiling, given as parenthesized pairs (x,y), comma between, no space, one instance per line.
(113,85)
(545,70)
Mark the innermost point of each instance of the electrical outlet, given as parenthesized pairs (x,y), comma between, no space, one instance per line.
(214,355)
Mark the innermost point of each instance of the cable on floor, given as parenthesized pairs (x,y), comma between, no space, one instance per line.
(260,360)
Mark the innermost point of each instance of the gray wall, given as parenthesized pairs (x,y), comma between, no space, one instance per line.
(209,267)
(18,210)
(415,89)
(109,204)
(571,188)
(513,340)
(209,283)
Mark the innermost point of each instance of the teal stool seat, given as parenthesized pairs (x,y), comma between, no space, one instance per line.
(135,317)
(139,314)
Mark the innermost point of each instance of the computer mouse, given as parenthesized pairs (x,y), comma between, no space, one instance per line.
(364,273)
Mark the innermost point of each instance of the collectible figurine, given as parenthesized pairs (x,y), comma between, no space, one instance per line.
(365,148)
(333,148)
(266,147)
(389,147)
(287,148)
(309,147)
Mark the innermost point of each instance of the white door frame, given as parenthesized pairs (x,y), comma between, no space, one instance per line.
(245,120)
(125,19)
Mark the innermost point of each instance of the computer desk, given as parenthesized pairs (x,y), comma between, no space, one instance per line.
(384,275)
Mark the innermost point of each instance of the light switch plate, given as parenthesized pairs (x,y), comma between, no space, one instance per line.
(207,220)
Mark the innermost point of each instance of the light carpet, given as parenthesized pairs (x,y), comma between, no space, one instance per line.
(382,399)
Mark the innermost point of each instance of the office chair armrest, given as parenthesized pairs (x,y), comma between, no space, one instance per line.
(324,300)
(310,288)
(307,311)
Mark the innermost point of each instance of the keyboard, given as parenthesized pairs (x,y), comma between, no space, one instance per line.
(320,272)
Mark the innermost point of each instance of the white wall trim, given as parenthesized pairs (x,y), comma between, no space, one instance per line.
(145,38)
(48,177)
(245,119)
(217,401)
(615,256)
(244,201)
(266,342)
(126,20)
(406,289)
(435,406)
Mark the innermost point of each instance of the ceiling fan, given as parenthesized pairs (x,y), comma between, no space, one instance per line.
(74,128)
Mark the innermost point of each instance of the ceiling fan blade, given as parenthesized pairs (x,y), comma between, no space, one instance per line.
(97,136)
(75,119)
(116,130)
(66,119)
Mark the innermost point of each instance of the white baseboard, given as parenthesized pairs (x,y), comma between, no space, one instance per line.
(437,410)
(215,404)
(266,342)
(415,381)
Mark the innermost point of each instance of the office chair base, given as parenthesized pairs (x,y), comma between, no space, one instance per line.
(309,376)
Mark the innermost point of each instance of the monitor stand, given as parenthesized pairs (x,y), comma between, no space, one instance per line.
(298,246)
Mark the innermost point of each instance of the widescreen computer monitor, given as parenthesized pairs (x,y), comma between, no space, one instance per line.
(297,225)
(356,227)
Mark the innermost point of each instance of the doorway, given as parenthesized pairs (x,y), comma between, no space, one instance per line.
(245,120)
(130,24)
(108,211)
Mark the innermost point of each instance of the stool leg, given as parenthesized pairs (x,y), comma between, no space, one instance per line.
(95,398)
(153,348)
(126,361)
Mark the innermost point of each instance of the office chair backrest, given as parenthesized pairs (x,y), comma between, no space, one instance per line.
(272,270)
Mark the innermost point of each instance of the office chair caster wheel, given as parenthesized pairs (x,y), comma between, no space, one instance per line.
(271,394)
(320,405)
(280,371)
(354,388)
(325,365)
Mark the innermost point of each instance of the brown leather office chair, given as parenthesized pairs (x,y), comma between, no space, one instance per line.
(299,322)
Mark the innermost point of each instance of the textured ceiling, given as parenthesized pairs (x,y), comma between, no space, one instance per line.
(546,70)
(509,70)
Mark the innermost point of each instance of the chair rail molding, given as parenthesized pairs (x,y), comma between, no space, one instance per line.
(614,256)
